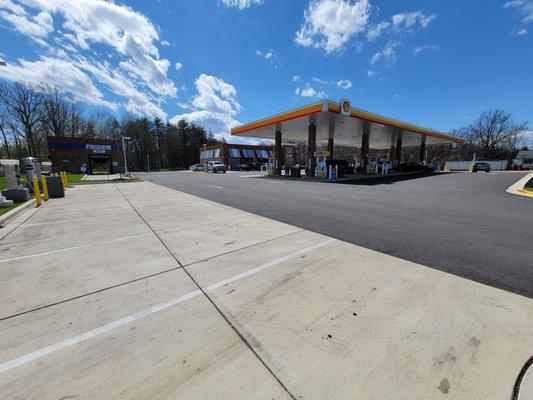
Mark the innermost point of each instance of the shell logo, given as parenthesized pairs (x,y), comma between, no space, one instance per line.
(345,107)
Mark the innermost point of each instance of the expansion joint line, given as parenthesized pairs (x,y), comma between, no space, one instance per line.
(233,327)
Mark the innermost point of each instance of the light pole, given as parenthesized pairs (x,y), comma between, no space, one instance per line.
(124,138)
(205,157)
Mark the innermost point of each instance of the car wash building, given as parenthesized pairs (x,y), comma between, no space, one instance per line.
(329,123)
(85,155)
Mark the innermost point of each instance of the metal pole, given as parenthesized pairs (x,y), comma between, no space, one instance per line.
(124,154)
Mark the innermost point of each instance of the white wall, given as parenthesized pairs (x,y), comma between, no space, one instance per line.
(465,165)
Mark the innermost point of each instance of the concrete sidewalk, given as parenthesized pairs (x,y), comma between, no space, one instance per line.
(139,291)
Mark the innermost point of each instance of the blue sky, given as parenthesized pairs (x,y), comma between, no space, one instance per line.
(223,62)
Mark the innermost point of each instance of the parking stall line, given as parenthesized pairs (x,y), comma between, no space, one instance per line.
(29,357)
(108,241)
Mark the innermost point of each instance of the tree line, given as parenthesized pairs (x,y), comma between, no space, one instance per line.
(28,114)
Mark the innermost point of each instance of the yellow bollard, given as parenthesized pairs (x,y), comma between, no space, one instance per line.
(66,178)
(63,179)
(36,191)
(45,188)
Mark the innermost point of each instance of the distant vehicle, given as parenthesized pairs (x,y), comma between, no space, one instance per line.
(343,165)
(241,167)
(216,166)
(481,166)
(197,167)
(254,166)
(414,167)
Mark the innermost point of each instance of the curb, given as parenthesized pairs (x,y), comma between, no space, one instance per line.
(518,187)
(9,216)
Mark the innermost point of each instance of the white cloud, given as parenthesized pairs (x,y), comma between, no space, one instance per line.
(387,54)
(419,49)
(371,72)
(409,20)
(330,24)
(318,80)
(522,32)
(241,4)
(165,43)
(178,66)
(268,55)
(215,106)
(524,7)
(56,72)
(400,23)
(344,84)
(376,31)
(119,44)
(308,91)
(296,78)
(35,26)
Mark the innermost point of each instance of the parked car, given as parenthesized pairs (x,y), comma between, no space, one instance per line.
(344,166)
(481,166)
(216,166)
(254,166)
(414,167)
(241,167)
(197,167)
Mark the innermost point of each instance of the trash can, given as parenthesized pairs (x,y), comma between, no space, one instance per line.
(296,173)
(55,187)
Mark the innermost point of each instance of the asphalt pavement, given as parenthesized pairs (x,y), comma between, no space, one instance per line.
(460,223)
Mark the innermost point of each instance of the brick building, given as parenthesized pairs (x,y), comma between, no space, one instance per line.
(232,154)
(97,155)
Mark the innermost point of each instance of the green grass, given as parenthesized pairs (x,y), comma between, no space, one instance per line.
(3,184)
(75,179)
(4,210)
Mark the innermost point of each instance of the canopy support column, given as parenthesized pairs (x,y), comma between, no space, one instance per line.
(422,155)
(278,152)
(311,145)
(365,147)
(398,155)
(331,136)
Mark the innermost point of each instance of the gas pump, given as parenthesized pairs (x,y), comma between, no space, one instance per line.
(32,168)
(321,169)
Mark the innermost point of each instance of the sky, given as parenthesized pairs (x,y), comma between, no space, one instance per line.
(220,63)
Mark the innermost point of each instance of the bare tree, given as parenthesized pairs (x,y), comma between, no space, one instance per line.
(493,130)
(56,113)
(23,106)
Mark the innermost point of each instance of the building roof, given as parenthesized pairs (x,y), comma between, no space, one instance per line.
(347,130)
(522,154)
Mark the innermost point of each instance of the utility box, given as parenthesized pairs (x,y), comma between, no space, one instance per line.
(55,187)
(15,191)
(12,172)
(32,168)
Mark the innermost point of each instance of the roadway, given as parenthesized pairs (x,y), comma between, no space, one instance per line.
(463,224)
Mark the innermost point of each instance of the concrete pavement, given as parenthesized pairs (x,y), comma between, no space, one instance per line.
(139,291)
(461,223)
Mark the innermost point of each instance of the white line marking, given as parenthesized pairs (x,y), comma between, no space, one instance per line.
(29,357)
(217,187)
(106,241)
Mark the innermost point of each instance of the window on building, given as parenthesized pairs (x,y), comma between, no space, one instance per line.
(216,153)
(262,153)
(234,153)
(248,153)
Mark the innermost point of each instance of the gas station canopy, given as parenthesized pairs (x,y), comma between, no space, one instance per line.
(346,130)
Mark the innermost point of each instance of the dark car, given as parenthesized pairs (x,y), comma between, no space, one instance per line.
(254,166)
(241,167)
(481,166)
(344,167)
(414,167)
